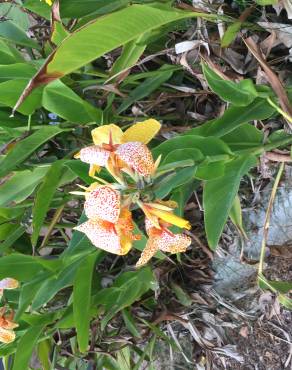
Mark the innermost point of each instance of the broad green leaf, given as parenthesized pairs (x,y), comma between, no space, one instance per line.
(210,171)
(103,35)
(146,88)
(14,71)
(21,185)
(11,32)
(233,117)
(14,235)
(39,7)
(238,93)
(43,198)
(209,146)
(59,32)
(219,194)
(24,148)
(174,180)
(29,290)
(181,154)
(130,55)
(279,286)
(10,91)
(82,300)
(244,137)
(61,100)
(44,351)
(230,34)
(19,266)
(80,169)
(15,14)
(25,347)
(51,286)
(77,9)
(9,54)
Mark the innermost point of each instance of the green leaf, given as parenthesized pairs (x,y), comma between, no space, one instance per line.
(266,2)
(209,146)
(51,286)
(19,266)
(44,197)
(44,351)
(10,90)
(39,7)
(16,71)
(285,301)
(233,117)
(181,295)
(82,300)
(230,34)
(146,88)
(130,323)
(24,148)
(61,100)
(9,54)
(240,94)
(174,180)
(219,194)
(80,169)
(103,35)
(182,154)
(236,216)
(244,137)
(11,32)
(21,185)
(25,347)
(210,171)
(14,235)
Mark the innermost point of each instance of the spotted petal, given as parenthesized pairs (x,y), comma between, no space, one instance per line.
(94,155)
(101,135)
(6,336)
(9,283)
(148,252)
(136,155)
(104,236)
(103,202)
(172,243)
(142,131)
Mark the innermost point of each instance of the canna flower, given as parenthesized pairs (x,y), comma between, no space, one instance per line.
(8,283)
(112,237)
(114,148)
(162,239)
(102,202)
(163,211)
(7,334)
(49,2)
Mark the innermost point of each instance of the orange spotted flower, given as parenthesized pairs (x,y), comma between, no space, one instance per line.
(7,334)
(112,237)
(8,283)
(116,149)
(162,239)
(109,226)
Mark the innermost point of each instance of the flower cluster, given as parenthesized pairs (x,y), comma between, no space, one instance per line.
(7,325)
(109,206)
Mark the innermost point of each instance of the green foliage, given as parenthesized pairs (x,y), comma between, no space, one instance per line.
(84,73)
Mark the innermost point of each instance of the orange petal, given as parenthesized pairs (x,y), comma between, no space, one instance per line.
(148,252)
(173,243)
(101,134)
(101,236)
(142,131)
(9,283)
(103,202)
(6,336)
(137,156)
(94,155)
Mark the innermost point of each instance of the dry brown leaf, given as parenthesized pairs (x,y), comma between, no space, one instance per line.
(273,79)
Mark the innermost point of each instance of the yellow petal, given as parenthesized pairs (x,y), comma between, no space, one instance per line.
(175,243)
(142,131)
(6,336)
(171,218)
(101,135)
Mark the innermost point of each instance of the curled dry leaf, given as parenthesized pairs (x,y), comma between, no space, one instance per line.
(271,75)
